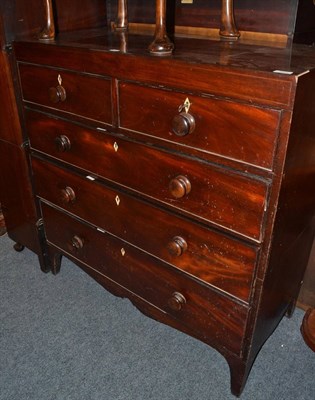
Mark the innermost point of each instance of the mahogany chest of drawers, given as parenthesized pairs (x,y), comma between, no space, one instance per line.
(183,183)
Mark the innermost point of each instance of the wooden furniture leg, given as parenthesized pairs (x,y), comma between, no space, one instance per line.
(54,260)
(161,45)
(228,28)
(308,328)
(122,16)
(239,371)
(2,223)
(48,32)
(18,247)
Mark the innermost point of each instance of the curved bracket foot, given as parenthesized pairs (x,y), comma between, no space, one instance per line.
(239,370)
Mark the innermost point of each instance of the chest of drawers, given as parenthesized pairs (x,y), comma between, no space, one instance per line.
(183,185)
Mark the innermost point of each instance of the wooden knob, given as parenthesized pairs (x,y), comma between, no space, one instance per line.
(62,143)
(68,195)
(177,301)
(77,242)
(177,246)
(183,124)
(57,94)
(179,186)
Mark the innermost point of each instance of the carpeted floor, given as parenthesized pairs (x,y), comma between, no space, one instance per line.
(64,337)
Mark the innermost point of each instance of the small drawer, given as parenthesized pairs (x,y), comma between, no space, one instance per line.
(71,92)
(225,263)
(227,199)
(195,306)
(232,130)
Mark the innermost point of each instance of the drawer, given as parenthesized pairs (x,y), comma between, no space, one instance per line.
(84,95)
(225,263)
(230,200)
(232,130)
(198,307)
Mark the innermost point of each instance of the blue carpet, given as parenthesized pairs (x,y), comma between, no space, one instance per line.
(65,338)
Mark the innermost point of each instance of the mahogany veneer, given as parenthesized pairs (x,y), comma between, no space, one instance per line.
(173,185)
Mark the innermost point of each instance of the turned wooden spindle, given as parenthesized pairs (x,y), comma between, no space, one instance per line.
(228,28)
(122,16)
(48,32)
(161,44)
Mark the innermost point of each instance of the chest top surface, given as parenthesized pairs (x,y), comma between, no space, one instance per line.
(246,55)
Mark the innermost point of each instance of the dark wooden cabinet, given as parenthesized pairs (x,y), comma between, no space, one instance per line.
(184,183)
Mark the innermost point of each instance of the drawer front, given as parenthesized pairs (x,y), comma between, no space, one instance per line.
(83,95)
(232,130)
(202,309)
(224,263)
(227,199)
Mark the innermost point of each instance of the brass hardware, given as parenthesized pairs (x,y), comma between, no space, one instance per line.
(183,123)
(123,252)
(116,146)
(186,105)
(117,199)
(48,32)
(57,94)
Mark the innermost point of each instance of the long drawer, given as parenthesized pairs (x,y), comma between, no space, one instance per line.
(70,92)
(220,196)
(232,130)
(214,258)
(195,306)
